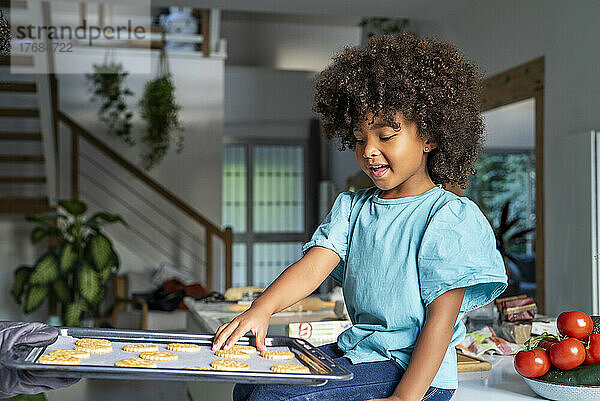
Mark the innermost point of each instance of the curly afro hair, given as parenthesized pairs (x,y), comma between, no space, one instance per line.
(427,80)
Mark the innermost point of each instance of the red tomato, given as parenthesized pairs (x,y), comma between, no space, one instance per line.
(593,352)
(547,345)
(567,354)
(589,359)
(533,363)
(575,324)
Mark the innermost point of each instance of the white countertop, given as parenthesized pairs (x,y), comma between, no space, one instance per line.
(502,383)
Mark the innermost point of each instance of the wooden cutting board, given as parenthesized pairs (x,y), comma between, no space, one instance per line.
(468,363)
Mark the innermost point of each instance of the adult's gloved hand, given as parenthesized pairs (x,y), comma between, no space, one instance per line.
(13,382)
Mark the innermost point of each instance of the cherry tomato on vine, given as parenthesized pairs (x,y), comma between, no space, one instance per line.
(567,354)
(593,352)
(547,345)
(589,359)
(575,324)
(534,363)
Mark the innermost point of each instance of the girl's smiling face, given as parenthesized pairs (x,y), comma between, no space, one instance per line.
(394,157)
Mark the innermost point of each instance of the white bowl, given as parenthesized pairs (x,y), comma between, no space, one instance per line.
(563,392)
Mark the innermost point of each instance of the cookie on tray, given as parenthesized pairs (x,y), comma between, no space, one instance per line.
(183,347)
(159,356)
(232,354)
(277,354)
(93,345)
(248,349)
(93,341)
(135,363)
(95,348)
(140,347)
(227,364)
(197,368)
(290,368)
(59,360)
(70,352)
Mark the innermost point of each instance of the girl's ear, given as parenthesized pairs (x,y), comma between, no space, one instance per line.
(429,145)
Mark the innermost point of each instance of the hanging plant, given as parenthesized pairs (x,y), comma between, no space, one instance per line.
(107,88)
(76,271)
(161,113)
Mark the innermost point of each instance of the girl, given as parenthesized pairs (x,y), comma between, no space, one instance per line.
(412,257)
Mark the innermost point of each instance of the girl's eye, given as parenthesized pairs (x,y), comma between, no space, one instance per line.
(361,141)
(387,138)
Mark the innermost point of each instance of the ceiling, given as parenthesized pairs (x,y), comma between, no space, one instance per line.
(414,9)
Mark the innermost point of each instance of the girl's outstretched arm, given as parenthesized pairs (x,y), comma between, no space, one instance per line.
(431,346)
(295,283)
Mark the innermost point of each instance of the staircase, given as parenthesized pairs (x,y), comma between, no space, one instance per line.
(22,176)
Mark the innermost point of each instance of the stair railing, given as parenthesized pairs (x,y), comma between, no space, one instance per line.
(77,132)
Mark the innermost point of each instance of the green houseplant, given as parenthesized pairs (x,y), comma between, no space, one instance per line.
(107,87)
(161,113)
(74,271)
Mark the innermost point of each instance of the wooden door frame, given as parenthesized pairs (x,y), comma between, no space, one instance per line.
(516,84)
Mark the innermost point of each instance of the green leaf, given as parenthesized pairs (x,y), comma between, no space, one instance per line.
(46,218)
(29,397)
(68,257)
(73,206)
(21,276)
(62,291)
(108,218)
(100,250)
(104,274)
(45,270)
(88,284)
(72,312)
(35,297)
(38,234)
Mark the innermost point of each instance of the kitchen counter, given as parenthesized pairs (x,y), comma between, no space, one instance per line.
(209,316)
(502,383)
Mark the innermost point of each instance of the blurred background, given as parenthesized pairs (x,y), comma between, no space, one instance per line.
(228,178)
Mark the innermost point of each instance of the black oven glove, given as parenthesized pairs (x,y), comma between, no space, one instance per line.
(12,381)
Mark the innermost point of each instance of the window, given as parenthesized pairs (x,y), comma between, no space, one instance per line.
(503,177)
(264,201)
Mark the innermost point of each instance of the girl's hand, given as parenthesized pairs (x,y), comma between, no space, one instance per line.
(255,320)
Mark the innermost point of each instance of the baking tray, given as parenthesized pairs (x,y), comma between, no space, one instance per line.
(101,366)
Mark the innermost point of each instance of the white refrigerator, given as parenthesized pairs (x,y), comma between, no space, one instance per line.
(572,224)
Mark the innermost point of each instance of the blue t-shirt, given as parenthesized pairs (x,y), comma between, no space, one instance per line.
(397,256)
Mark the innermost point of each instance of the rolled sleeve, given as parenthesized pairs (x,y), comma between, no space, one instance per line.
(458,249)
(332,233)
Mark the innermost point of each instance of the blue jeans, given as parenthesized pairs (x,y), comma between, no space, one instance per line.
(371,380)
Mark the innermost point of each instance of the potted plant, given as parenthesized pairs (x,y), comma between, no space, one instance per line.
(161,113)
(75,268)
(106,84)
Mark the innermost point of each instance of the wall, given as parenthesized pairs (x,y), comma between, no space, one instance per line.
(266,103)
(501,35)
(286,45)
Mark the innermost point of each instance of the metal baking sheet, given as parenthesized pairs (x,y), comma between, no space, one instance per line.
(101,366)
